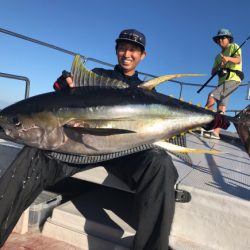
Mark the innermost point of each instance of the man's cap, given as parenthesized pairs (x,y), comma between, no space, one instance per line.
(222,33)
(133,36)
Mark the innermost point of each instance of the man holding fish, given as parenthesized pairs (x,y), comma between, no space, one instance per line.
(150,173)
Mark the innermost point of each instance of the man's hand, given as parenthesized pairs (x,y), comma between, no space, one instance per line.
(219,121)
(65,81)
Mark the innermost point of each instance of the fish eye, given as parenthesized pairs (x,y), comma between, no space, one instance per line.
(16,121)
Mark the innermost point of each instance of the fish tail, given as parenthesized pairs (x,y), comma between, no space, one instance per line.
(242,125)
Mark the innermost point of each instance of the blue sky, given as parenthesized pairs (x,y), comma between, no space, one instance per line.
(179,39)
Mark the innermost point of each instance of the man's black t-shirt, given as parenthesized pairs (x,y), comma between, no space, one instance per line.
(117,73)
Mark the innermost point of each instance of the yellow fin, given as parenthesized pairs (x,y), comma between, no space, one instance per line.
(176,148)
(158,80)
(82,77)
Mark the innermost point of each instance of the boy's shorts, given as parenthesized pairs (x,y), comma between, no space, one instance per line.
(223,91)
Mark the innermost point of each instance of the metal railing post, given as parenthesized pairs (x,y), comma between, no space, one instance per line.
(248,92)
(22,78)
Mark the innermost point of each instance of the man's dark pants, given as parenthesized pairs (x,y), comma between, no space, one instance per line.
(150,173)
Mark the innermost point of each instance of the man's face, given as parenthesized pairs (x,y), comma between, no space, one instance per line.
(129,56)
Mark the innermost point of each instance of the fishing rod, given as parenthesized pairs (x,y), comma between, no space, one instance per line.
(214,74)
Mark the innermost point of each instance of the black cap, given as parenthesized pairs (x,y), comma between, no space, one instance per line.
(133,36)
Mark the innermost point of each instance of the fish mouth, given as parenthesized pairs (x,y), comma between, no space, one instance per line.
(3,121)
(1,130)
(3,135)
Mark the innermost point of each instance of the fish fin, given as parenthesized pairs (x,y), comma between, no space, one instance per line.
(175,148)
(242,125)
(85,78)
(158,80)
(96,131)
(180,140)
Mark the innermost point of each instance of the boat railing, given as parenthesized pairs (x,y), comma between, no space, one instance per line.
(21,78)
(86,59)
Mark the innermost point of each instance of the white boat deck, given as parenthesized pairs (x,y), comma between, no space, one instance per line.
(217,217)
(227,174)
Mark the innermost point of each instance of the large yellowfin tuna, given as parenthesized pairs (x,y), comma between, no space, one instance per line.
(101,116)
